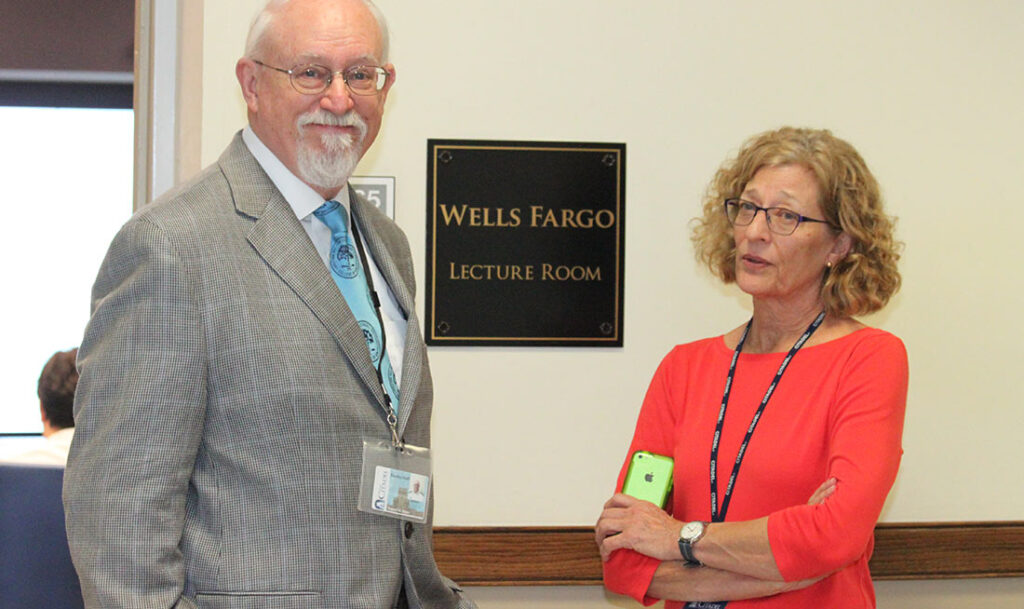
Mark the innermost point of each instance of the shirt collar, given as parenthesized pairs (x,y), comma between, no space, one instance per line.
(302,199)
(62,436)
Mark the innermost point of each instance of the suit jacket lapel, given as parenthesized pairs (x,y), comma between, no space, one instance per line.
(278,237)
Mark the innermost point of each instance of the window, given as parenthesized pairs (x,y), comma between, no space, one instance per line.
(65,113)
(67,188)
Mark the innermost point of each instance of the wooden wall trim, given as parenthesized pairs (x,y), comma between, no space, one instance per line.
(541,556)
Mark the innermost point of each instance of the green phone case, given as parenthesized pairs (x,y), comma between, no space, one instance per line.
(649,477)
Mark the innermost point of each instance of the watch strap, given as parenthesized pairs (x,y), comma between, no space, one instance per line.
(686,549)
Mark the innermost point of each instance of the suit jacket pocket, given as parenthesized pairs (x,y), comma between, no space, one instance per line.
(258,600)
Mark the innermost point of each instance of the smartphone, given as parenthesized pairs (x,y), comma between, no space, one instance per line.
(649,477)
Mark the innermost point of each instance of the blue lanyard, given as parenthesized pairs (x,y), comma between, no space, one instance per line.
(716,515)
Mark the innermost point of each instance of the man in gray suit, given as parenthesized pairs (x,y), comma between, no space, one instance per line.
(227,388)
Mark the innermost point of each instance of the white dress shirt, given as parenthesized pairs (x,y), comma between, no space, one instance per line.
(304,201)
(53,452)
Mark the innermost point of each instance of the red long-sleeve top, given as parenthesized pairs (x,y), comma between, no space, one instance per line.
(837,412)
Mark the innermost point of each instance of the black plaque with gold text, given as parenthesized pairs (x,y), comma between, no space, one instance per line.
(525,243)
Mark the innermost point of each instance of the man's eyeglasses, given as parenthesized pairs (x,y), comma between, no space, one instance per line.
(781,221)
(312,79)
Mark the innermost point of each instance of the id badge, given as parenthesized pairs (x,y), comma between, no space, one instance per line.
(395,481)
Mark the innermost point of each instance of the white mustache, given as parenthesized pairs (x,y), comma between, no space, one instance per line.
(323,117)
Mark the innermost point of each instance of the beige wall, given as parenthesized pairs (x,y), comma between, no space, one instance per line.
(928,91)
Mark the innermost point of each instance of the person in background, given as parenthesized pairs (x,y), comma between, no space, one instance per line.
(56,392)
(254,357)
(786,430)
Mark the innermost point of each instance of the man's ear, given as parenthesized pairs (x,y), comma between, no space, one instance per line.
(383,95)
(245,71)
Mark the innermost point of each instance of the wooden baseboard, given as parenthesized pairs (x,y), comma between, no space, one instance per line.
(540,556)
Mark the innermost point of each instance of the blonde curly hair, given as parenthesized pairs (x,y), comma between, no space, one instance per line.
(864,280)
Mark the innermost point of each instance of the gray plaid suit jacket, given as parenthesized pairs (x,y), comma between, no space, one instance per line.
(225,393)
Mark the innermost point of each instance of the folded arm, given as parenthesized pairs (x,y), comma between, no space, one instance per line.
(737,559)
(676,580)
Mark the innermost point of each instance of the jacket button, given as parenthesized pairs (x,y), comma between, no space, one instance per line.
(408,530)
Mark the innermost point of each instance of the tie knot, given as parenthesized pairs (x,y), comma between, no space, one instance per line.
(332,214)
(326,208)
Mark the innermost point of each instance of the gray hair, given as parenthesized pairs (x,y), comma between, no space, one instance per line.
(261,24)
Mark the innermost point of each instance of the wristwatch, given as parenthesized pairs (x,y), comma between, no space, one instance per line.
(689,535)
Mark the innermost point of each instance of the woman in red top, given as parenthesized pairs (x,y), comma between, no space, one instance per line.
(786,431)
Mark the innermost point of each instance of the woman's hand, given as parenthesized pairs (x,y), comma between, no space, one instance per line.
(628,522)
(823,492)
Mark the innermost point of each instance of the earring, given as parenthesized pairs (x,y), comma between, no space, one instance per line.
(828,264)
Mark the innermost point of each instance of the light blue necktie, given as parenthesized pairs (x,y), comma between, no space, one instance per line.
(348,273)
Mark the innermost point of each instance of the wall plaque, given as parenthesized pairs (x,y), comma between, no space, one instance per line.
(525,243)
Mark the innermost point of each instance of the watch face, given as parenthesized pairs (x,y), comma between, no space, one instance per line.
(691,530)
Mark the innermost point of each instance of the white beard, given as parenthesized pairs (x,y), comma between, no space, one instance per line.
(331,167)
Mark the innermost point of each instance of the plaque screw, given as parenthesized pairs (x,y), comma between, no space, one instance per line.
(445,156)
(606,328)
(608,160)
(443,327)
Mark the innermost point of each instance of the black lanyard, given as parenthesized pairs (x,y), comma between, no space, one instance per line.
(717,516)
(392,418)
(373,290)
